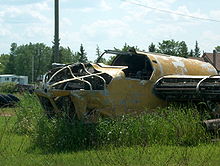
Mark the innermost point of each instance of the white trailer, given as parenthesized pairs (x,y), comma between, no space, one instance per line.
(23,80)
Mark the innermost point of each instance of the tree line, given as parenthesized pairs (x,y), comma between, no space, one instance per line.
(33,60)
(175,48)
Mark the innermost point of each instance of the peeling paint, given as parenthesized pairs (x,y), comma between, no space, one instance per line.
(178,64)
(143,82)
(207,66)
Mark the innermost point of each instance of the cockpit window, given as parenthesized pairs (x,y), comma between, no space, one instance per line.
(139,66)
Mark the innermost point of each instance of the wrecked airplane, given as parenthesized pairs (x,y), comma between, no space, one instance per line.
(133,83)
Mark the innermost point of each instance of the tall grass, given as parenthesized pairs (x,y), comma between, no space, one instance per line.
(29,112)
(166,137)
(168,126)
(7,87)
(61,135)
(173,125)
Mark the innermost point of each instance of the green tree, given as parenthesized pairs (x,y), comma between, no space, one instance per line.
(98,54)
(10,67)
(41,56)
(191,53)
(66,55)
(152,47)
(2,68)
(182,49)
(217,48)
(76,57)
(127,48)
(110,60)
(197,52)
(24,59)
(171,47)
(81,55)
(4,59)
(32,60)
(168,47)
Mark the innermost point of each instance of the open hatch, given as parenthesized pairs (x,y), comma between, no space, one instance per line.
(138,65)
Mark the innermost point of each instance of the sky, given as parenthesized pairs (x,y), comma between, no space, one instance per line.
(110,23)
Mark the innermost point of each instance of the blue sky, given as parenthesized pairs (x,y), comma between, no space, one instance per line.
(109,23)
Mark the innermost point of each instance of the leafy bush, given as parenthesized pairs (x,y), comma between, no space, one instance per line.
(7,87)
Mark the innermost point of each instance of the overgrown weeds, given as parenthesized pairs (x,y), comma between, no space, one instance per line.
(61,135)
(7,87)
(168,126)
(166,137)
(173,125)
(29,112)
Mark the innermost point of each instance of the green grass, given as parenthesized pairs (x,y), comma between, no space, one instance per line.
(29,138)
(16,151)
(7,87)
(169,126)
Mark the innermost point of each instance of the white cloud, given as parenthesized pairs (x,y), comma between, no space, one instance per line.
(166,31)
(215,14)
(141,10)
(39,16)
(4,31)
(86,10)
(163,4)
(105,6)
(93,23)
(185,11)
(40,31)
(170,1)
(209,40)
(210,36)
(43,6)
(28,11)
(65,22)
(112,28)
(25,22)
(11,12)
